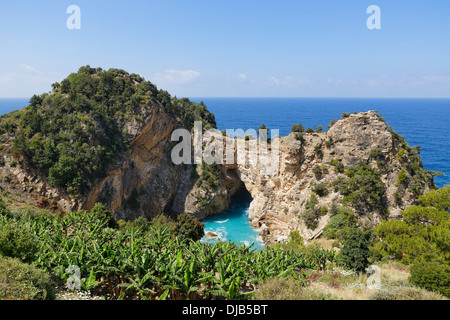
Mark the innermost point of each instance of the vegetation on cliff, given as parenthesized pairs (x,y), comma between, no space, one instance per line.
(72,134)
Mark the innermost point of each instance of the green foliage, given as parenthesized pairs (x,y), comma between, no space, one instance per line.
(211,175)
(375,153)
(320,189)
(433,276)
(317,170)
(100,213)
(345,115)
(299,136)
(17,239)
(423,234)
(332,123)
(363,188)
(297,128)
(402,179)
(339,224)
(21,281)
(355,251)
(312,213)
(73,134)
(188,227)
(318,150)
(319,129)
(309,130)
(338,165)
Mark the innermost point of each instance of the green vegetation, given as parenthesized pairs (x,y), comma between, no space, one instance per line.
(188,227)
(145,260)
(340,223)
(312,213)
(74,133)
(297,128)
(355,251)
(362,188)
(21,281)
(338,165)
(421,239)
(211,175)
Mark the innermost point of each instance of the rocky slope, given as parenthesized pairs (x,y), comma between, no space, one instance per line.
(360,162)
(322,159)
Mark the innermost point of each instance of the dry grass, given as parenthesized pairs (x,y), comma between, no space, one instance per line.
(344,285)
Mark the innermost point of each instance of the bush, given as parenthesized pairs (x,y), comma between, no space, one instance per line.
(309,130)
(312,213)
(188,227)
(297,128)
(320,189)
(432,276)
(17,240)
(101,213)
(20,281)
(402,179)
(355,251)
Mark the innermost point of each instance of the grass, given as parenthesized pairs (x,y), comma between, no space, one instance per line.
(341,284)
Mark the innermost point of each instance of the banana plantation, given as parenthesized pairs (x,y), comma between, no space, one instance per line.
(133,263)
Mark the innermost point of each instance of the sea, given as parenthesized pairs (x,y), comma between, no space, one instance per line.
(423,122)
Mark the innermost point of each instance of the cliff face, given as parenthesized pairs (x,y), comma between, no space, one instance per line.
(323,159)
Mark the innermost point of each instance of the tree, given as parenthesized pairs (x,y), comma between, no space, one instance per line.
(433,276)
(188,227)
(355,251)
(297,128)
(422,235)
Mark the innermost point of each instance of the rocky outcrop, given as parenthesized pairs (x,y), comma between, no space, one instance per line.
(280,199)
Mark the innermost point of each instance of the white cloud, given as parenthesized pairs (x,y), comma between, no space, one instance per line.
(173,76)
(287,81)
(242,76)
(30,69)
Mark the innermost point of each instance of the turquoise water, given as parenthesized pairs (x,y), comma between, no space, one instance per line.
(234,224)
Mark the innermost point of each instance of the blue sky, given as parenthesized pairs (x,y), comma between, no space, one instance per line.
(235,48)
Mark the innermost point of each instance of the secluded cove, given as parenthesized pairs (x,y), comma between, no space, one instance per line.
(233,225)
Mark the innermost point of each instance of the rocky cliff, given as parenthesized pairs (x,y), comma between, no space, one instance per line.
(53,152)
(320,165)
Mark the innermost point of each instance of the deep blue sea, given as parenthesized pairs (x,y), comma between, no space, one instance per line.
(423,122)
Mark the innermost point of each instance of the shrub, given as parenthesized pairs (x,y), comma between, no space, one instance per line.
(21,281)
(188,227)
(355,251)
(332,123)
(338,165)
(320,189)
(299,136)
(297,128)
(101,213)
(345,115)
(319,129)
(309,130)
(17,240)
(318,150)
(311,213)
(433,276)
(402,179)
